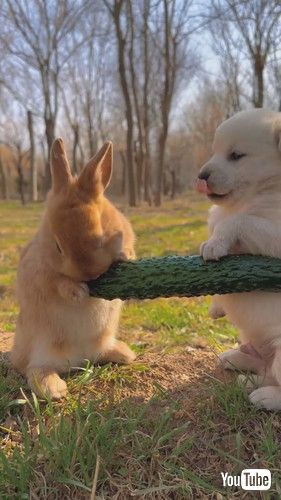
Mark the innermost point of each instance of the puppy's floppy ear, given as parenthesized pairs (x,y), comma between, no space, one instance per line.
(96,175)
(61,173)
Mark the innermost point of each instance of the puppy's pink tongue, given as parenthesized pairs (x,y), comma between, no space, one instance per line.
(202,187)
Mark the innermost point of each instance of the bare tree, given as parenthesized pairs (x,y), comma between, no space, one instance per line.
(33,168)
(146,116)
(3,180)
(40,35)
(138,145)
(71,112)
(19,155)
(201,118)
(274,77)
(175,58)
(140,60)
(121,37)
(232,72)
(14,139)
(134,17)
(257,25)
(87,89)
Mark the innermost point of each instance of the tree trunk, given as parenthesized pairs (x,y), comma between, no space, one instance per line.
(33,193)
(165,107)
(130,165)
(147,178)
(174,184)
(139,153)
(3,181)
(90,130)
(128,105)
(139,173)
(123,182)
(146,121)
(75,129)
(160,164)
(187,277)
(166,183)
(259,84)
(20,179)
(50,136)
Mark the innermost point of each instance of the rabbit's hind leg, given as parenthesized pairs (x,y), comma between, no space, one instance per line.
(107,348)
(46,361)
(119,353)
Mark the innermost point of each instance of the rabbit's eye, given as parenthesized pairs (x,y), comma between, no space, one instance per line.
(58,247)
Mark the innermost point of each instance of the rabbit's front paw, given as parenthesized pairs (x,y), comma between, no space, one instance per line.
(49,386)
(73,292)
(214,249)
(125,255)
(54,387)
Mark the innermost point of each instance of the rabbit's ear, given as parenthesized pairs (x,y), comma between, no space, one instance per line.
(96,175)
(61,173)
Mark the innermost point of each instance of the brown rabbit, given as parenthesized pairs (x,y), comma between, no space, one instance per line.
(80,236)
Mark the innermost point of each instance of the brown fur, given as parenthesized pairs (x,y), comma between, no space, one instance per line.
(80,236)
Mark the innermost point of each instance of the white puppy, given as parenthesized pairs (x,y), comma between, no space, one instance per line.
(243,179)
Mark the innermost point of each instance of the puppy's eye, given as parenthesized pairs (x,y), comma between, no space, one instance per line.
(235,156)
(58,247)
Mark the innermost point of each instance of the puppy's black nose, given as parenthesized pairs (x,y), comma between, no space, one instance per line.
(204,175)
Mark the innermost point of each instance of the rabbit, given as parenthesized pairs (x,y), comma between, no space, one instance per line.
(80,236)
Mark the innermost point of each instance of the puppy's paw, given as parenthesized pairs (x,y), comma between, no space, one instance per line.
(73,292)
(216,311)
(213,249)
(268,398)
(228,359)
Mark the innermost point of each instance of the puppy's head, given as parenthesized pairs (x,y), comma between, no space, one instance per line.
(246,159)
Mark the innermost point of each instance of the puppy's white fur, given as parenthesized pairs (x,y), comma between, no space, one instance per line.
(247,219)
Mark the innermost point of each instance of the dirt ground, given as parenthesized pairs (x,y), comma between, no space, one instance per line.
(184,374)
(184,378)
(6,340)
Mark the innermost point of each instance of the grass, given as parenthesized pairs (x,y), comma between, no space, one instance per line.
(164,427)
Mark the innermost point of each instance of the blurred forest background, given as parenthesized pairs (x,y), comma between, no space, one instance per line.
(154,76)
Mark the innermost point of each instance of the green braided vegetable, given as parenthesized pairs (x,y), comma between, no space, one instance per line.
(187,277)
